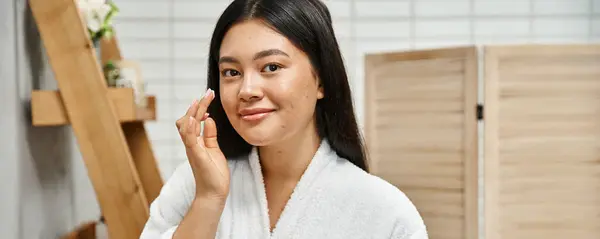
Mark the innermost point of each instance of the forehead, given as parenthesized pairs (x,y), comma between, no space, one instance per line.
(249,37)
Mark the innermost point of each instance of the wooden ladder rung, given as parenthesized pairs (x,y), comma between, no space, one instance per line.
(48,109)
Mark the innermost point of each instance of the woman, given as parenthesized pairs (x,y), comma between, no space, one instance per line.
(288,161)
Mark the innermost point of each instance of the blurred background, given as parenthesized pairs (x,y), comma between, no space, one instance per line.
(170,40)
(44,184)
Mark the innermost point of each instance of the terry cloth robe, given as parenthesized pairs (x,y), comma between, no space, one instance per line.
(333,199)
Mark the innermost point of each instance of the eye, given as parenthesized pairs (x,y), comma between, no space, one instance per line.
(271,68)
(230,73)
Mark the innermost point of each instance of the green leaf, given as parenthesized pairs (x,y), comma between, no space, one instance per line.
(113,11)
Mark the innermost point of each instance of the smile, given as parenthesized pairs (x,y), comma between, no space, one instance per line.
(255,114)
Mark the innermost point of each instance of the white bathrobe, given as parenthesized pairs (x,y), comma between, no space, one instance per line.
(333,199)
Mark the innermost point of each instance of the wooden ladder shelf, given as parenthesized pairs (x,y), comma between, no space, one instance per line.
(107,124)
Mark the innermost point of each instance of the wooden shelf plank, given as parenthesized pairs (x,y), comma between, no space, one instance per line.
(47,107)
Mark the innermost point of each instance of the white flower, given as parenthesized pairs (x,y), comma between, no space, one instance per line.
(94,13)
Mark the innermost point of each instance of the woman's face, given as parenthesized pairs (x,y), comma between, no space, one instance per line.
(267,85)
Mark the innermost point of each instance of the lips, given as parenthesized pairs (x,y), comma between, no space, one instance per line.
(255,114)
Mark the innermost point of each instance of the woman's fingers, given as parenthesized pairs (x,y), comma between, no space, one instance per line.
(210,134)
(189,125)
(189,133)
(203,104)
(191,112)
(198,129)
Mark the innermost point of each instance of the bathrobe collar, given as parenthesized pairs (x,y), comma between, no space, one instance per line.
(298,199)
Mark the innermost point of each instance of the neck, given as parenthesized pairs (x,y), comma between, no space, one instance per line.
(288,159)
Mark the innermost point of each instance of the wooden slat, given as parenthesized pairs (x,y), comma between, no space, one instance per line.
(542,142)
(84,231)
(145,163)
(93,117)
(421,131)
(48,109)
(137,139)
(109,49)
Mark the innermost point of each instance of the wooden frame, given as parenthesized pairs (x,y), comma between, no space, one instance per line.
(427,60)
(118,156)
(540,97)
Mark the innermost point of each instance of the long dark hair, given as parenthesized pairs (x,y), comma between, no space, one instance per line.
(307,24)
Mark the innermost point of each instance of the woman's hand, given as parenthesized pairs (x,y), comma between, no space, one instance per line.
(208,163)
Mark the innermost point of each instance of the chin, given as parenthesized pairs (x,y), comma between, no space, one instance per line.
(257,139)
(266,131)
(260,135)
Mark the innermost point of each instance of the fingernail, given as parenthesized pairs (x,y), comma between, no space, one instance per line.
(194,102)
(208,92)
(191,121)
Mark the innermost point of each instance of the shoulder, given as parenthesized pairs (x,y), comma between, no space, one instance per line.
(353,180)
(173,201)
(379,198)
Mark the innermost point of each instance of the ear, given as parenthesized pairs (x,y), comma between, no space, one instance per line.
(320,93)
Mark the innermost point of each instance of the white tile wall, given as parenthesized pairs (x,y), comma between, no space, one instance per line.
(144,48)
(170,40)
(193,30)
(595,26)
(382,29)
(501,7)
(138,29)
(190,71)
(442,8)
(443,28)
(380,9)
(437,42)
(561,7)
(198,10)
(190,49)
(502,27)
(154,71)
(342,29)
(575,27)
(131,9)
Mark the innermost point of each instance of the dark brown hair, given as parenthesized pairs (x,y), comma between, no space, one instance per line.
(307,24)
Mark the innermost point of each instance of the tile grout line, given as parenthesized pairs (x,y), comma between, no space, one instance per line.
(531,36)
(412,19)
(591,26)
(472,21)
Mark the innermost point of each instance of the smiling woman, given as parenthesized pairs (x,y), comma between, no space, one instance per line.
(280,155)
(268,88)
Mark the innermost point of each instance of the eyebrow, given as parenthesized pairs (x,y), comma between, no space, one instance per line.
(261,54)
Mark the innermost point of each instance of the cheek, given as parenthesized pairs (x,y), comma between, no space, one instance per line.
(300,97)
(228,99)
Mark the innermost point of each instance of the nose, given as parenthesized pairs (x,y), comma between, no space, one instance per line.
(251,89)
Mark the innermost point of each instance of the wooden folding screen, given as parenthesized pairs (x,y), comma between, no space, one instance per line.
(421,130)
(542,142)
